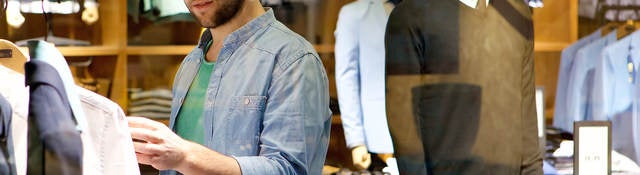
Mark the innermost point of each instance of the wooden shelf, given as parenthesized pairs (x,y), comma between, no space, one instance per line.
(89,51)
(73,51)
(541,46)
(160,50)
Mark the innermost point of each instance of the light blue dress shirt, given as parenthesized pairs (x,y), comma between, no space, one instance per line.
(580,83)
(613,94)
(360,75)
(267,104)
(560,114)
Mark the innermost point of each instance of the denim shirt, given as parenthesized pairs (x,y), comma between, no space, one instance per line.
(267,104)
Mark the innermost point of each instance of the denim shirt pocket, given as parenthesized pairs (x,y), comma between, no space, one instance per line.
(244,118)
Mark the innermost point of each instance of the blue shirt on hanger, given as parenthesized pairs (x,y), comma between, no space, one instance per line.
(580,82)
(566,61)
(613,92)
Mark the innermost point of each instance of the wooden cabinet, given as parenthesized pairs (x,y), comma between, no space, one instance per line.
(555,27)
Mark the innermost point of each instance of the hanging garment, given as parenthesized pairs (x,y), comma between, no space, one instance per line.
(54,142)
(477,97)
(7,161)
(43,51)
(110,136)
(108,132)
(359,54)
(107,126)
(613,93)
(596,8)
(580,84)
(14,91)
(50,6)
(566,60)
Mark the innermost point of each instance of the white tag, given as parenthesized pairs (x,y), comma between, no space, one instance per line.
(470,3)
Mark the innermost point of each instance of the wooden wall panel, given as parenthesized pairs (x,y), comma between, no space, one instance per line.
(556,22)
(546,71)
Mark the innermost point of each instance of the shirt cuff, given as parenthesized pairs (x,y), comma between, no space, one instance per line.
(355,144)
(90,4)
(255,165)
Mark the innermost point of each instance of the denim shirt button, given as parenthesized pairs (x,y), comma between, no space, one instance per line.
(247,101)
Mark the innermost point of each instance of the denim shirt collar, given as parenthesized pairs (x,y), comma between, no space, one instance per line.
(242,34)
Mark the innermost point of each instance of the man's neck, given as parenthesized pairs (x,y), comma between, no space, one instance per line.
(250,10)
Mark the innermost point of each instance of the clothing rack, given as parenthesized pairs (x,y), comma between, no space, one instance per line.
(603,7)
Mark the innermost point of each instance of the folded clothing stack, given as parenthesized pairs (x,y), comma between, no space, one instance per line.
(151,103)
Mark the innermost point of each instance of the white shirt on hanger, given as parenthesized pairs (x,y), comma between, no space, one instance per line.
(106,143)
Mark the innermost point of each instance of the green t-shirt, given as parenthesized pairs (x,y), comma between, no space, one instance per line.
(189,124)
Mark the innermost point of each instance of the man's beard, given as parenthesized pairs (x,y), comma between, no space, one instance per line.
(225,12)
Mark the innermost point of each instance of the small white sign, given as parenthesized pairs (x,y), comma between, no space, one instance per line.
(593,147)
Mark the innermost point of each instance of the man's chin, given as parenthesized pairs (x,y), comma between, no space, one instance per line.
(207,24)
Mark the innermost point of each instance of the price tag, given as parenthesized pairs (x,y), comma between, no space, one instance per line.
(592,148)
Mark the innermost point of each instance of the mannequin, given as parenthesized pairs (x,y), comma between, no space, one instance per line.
(360,80)
(15,7)
(460,87)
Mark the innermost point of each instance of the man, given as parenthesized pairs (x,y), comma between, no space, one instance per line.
(263,108)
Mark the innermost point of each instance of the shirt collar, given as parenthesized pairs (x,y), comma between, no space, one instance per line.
(473,3)
(243,33)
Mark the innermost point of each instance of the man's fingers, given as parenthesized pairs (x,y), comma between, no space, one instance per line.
(141,122)
(366,157)
(145,135)
(148,148)
(367,160)
(144,158)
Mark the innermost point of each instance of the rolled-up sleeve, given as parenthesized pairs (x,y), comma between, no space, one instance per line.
(296,122)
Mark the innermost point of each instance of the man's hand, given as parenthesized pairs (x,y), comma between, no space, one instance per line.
(361,157)
(156,144)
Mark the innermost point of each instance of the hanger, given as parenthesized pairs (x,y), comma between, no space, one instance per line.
(11,57)
(626,29)
(609,27)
